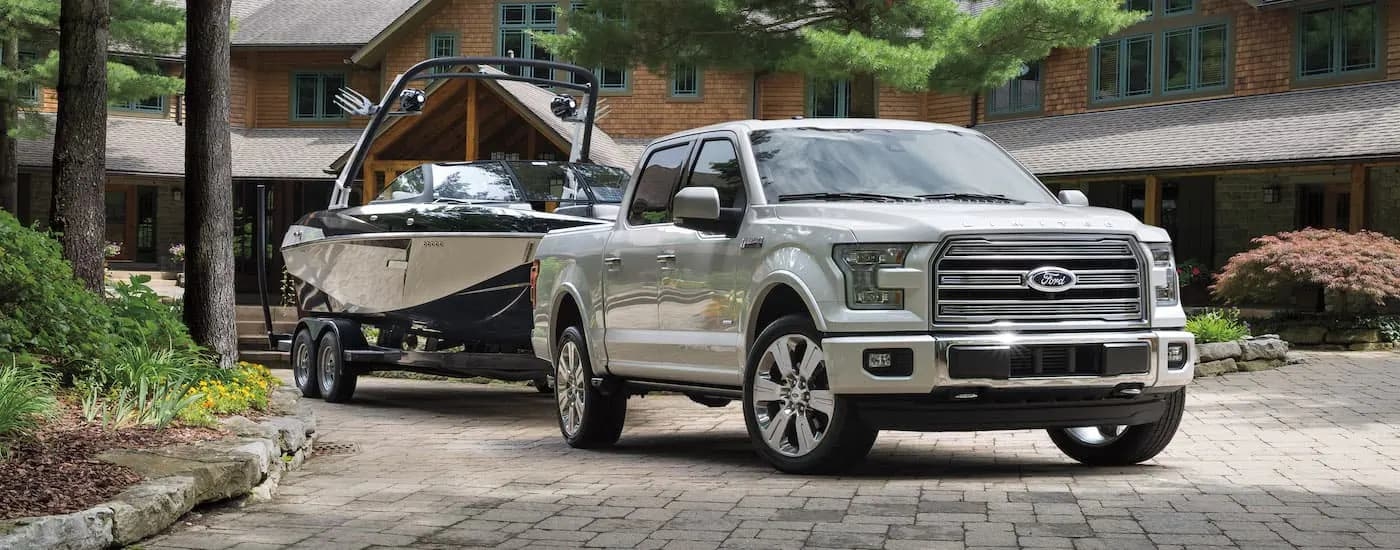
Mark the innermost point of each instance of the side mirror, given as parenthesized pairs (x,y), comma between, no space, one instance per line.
(698,208)
(696,203)
(1073,197)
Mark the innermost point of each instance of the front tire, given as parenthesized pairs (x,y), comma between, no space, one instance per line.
(588,419)
(337,383)
(1122,445)
(304,364)
(793,419)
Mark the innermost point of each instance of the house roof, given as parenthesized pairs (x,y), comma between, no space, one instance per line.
(533,101)
(157,147)
(313,22)
(1320,125)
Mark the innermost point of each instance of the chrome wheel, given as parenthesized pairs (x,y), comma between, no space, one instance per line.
(570,383)
(327,370)
(301,364)
(791,400)
(1096,436)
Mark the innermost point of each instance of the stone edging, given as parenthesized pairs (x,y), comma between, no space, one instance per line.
(1250,354)
(178,478)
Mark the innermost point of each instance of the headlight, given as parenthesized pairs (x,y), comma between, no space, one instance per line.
(1165,292)
(860,263)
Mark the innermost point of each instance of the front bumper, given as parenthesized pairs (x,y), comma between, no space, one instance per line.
(845,357)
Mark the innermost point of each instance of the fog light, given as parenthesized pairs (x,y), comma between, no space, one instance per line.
(1176,355)
(889,362)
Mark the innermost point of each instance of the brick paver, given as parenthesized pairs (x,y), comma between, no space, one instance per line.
(1301,457)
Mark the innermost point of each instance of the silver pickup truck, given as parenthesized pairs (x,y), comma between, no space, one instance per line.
(841,276)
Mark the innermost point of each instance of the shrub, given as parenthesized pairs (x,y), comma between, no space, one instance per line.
(248,387)
(1190,272)
(143,318)
(131,365)
(1361,269)
(26,394)
(177,253)
(142,386)
(45,313)
(1217,326)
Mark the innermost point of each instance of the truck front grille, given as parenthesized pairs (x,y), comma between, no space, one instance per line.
(980,280)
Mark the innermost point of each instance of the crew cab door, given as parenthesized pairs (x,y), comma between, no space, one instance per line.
(632,268)
(699,286)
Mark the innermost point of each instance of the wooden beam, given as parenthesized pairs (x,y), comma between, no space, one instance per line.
(532,148)
(367,194)
(1358,198)
(1152,203)
(473,124)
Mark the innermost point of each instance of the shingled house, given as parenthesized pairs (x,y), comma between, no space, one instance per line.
(1219,120)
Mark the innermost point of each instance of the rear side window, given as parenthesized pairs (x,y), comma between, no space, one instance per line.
(717,166)
(655,185)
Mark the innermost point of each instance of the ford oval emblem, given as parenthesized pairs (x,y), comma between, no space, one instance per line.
(1051,279)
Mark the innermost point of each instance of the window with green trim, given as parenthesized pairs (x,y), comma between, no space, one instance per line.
(313,95)
(1019,95)
(442,44)
(1337,39)
(149,105)
(1122,68)
(1139,5)
(29,93)
(829,98)
(1176,7)
(685,81)
(517,22)
(609,79)
(1195,58)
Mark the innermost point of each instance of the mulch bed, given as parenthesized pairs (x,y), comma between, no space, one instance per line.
(54,472)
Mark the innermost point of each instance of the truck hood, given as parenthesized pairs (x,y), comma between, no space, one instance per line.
(932,221)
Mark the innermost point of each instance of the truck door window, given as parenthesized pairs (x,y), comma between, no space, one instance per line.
(652,201)
(717,166)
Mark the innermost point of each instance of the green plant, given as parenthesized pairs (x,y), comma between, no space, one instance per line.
(45,313)
(142,317)
(132,365)
(26,394)
(1190,272)
(145,404)
(248,387)
(1218,325)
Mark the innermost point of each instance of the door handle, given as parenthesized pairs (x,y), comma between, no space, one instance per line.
(613,263)
(663,258)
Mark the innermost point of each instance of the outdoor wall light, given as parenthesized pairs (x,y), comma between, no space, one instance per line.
(1272,194)
(179,194)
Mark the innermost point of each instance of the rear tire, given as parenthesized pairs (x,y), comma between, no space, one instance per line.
(793,419)
(1122,445)
(304,364)
(337,383)
(588,419)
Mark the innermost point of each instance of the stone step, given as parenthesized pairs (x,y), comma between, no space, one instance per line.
(266,358)
(255,313)
(257,327)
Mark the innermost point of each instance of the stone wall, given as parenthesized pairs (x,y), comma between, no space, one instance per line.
(1241,213)
(170,213)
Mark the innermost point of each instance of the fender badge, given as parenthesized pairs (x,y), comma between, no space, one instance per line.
(751,242)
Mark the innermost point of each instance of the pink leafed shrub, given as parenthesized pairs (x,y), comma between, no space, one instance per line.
(1360,269)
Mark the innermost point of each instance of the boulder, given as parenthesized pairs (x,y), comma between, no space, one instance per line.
(1215,368)
(1259,364)
(1263,347)
(88,529)
(292,432)
(244,427)
(150,507)
(1353,336)
(1217,351)
(1303,335)
(219,471)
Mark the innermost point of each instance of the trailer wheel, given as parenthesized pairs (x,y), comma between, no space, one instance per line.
(337,383)
(304,364)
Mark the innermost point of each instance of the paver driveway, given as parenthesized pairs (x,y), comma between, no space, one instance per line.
(1306,456)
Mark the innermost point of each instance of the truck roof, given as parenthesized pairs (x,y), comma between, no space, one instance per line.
(743,126)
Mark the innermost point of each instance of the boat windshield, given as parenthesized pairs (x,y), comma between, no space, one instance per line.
(827,164)
(539,181)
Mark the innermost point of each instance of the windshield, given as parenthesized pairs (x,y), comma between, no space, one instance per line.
(565,182)
(908,163)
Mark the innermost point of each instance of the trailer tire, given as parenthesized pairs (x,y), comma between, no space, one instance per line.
(304,364)
(337,383)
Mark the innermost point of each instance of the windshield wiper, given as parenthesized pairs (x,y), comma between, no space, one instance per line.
(967,196)
(844,197)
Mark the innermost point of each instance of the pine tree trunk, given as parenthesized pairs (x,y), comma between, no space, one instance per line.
(80,139)
(209,303)
(9,159)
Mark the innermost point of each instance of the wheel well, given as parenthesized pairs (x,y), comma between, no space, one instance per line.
(780,301)
(566,316)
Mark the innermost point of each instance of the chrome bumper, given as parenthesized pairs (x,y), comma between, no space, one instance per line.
(845,356)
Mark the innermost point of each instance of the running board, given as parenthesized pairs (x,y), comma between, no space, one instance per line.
(637,387)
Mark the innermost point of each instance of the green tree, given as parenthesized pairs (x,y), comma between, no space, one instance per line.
(911,45)
(139,29)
